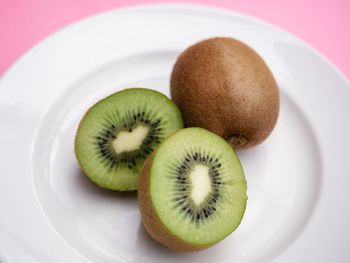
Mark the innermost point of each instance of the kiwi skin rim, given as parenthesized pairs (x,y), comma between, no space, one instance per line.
(150,219)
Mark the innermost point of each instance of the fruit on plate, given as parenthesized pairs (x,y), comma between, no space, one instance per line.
(118,133)
(192,191)
(223,85)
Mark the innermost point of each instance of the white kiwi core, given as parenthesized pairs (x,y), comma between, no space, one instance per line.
(130,141)
(201,184)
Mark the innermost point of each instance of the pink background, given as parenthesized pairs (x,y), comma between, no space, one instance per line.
(322,23)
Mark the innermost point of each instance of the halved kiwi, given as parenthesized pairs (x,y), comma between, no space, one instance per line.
(118,133)
(192,191)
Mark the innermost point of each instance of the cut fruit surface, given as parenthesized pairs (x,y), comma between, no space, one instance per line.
(118,133)
(192,191)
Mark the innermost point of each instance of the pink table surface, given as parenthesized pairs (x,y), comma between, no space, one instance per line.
(324,24)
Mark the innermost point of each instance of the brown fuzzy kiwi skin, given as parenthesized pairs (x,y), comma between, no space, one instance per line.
(223,85)
(151,220)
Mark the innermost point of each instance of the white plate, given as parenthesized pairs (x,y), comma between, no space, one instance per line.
(298,179)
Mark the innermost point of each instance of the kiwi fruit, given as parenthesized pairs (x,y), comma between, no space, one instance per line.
(192,191)
(118,133)
(223,85)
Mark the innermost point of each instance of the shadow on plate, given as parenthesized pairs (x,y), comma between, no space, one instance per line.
(83,182)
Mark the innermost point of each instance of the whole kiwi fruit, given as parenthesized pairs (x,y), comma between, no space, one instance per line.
(223,85)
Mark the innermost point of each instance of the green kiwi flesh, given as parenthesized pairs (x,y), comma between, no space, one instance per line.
(192,191)
(223,85)
(119,132)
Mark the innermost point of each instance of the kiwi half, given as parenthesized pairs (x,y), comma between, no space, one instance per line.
(118,133)
(192,191)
